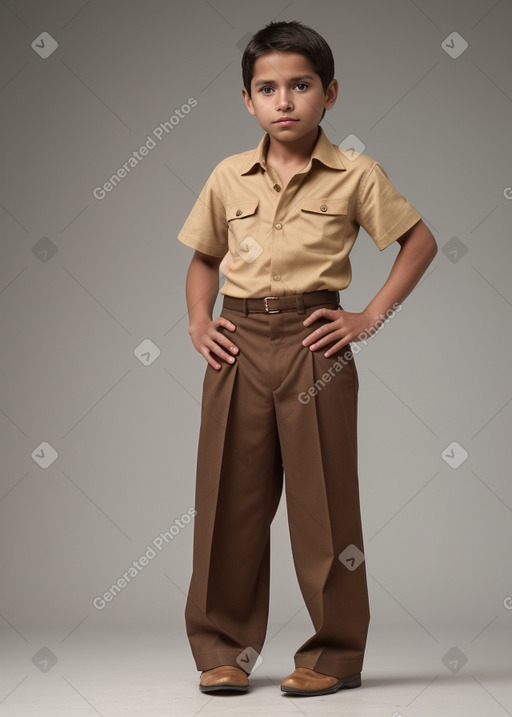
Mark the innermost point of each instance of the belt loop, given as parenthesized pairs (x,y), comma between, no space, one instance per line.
(244,307)
(300,304)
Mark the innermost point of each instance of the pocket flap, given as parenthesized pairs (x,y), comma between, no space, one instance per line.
(239,210)
(325,205)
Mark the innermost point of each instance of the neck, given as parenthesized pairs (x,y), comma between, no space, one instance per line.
(292,152)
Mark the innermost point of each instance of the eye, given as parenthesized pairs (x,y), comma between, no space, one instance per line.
(263,89)
(302,86)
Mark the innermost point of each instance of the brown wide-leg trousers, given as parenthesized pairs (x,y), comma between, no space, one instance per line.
(256,420)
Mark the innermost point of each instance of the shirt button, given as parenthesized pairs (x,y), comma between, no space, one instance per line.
(277,277)
(238,212)
(323,207)
(279,225)
(277,187)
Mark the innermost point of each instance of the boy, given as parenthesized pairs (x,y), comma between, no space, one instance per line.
(283,218)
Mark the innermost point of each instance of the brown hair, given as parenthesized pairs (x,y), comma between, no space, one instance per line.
(290,36)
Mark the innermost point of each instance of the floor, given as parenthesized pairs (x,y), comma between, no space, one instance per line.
(120,672)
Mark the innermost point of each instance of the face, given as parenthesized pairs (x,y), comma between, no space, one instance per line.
(287,95)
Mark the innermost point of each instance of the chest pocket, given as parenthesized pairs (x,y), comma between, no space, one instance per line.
(322,224)
(243,221)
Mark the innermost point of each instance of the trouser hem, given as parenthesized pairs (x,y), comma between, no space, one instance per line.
(216,658)
(327,666)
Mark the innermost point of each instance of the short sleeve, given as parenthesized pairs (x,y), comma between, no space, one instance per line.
(381,210)
(206,227)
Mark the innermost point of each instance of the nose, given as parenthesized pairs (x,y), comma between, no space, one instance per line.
(283,99)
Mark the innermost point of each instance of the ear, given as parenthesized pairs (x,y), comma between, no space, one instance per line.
(331,95)
(248,102)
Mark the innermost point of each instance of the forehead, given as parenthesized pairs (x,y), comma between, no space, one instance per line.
(281,66)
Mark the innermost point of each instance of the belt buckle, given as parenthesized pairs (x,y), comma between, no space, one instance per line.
(267,309)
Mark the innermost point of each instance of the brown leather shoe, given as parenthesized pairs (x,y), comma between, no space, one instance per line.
(225,677)
(304,681)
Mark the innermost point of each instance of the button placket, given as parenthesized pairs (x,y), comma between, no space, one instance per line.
(281,207)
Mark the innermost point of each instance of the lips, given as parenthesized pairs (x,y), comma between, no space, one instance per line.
(285,120)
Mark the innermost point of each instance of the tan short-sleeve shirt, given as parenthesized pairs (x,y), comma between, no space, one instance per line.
(276,241)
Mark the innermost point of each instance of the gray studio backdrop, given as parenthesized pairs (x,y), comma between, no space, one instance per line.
(100,385)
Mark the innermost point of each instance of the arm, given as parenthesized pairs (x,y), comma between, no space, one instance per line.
(417,249)
(202,287)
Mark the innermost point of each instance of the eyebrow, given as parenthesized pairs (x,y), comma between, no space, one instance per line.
(292,79)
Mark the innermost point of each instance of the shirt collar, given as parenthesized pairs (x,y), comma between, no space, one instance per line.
(323,151)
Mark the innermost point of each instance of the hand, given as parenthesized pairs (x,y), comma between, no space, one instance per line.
(343,328)
(208,340)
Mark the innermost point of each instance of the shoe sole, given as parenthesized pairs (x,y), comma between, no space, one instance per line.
(217,688)
(346,683)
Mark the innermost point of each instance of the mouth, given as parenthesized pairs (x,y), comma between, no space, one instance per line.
(285,121)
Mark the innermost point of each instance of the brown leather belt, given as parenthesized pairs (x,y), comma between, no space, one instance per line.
(277,304)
